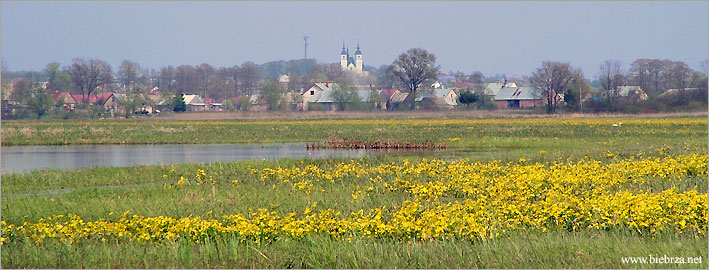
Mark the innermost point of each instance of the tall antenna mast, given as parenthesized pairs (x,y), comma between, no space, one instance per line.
(305,38)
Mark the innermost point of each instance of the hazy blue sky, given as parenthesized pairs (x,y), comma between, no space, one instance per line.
(491,37)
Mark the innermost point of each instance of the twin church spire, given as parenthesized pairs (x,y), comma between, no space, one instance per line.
(349,63)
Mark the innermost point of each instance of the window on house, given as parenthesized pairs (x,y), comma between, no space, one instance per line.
(312,92)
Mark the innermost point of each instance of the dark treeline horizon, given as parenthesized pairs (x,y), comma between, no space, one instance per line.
(653,75)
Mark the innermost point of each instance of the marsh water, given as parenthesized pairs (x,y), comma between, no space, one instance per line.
(17,159)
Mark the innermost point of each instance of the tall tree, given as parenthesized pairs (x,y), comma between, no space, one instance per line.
(611,78)
(22,90)
(4,81)
(552,79)
(57,79)
(574,95)
(294,83)
(678,75)
(413,68)
(468,97)
(87,76)
(477,81)
(167,78)
(225,84)
(273,94)
(386,77)
(129,73)
(178,103)
(648,74)
(206,80)
(333,71)
(249,74)
(345,96)
(186,79)
(39,101)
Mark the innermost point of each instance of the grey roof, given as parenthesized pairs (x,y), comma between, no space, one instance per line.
(674,91)
(324,94)
(398,97)
(492,89)
(439,92)
(516,93)
(626,90)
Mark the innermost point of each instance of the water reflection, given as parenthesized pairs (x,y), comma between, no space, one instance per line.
(26,158)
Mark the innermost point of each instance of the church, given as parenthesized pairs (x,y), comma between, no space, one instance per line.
(348,63)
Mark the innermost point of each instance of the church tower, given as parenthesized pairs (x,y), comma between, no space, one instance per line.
(343,57)
(358,59)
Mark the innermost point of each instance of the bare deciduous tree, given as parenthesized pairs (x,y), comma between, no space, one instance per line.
(611,78)
(206,80)
(166,78)
(477,81)
(128,73)
(413,68)
(552,80)
(648,74)
(249,74)
(185,79)
(87,76)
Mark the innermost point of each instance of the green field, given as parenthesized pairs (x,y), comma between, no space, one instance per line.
(507,193)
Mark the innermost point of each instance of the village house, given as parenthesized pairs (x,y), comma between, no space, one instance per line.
(194,103)
(396,100)
(258,103)
(517,97)
(674,91)
(443,98)
(63,100)
(632,93)
(321,93)
(385,96)
(94,99)
(493,88)
(318,93)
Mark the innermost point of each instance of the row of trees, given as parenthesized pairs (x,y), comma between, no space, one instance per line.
(556,79)
(411,71)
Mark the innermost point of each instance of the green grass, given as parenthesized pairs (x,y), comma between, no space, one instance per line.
(483,133)
(528,250)
(93,193)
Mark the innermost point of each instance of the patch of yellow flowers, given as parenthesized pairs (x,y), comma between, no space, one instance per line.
(459,200)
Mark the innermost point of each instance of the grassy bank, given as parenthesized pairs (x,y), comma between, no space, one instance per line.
(545,133)
(550,250)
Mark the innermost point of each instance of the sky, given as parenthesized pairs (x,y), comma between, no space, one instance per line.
(492,37)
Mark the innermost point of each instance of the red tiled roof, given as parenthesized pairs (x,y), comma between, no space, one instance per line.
(209,100)
(387,93)
(93,99)
(57,95)
(460,84)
